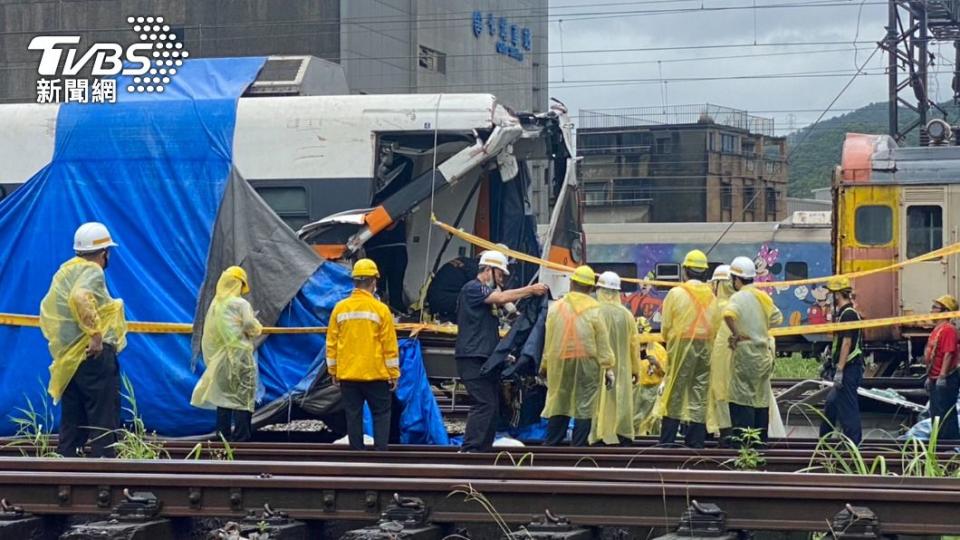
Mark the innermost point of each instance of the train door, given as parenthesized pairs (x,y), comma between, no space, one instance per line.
(923,215)
(867,216)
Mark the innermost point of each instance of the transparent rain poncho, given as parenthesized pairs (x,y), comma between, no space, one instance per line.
(718,412)
(752,361)
(77,306)
(576,352)
(645,395)
(615,408)
(230,379)
(688,330)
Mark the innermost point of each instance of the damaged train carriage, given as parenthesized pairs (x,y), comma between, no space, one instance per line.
(361,176)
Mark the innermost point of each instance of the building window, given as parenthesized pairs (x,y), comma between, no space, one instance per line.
(729,143)
(726,197)
(924,230)
(749,199)
(873,225)
(290,203)
(433,60)
(663,146)
(796,270)
(595,193)
(772,202)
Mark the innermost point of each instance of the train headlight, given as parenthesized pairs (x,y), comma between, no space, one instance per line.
(938,130)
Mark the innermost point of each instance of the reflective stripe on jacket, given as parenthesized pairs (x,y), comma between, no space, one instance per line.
(361,340)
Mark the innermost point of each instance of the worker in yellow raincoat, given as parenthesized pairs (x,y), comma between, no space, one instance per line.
(577,360)
(363,356)
(688,331)
(229,383)
(613,423)
(749,315)
(653,362)
(718,412)
(85,329)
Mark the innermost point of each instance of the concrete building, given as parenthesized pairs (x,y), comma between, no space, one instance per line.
(691,163)
(385,46)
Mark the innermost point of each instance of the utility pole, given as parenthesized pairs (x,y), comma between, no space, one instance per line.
(912,25)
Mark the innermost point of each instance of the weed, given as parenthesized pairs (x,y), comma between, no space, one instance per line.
(749,457)
(135,442)
(34,430)
(796,367)
(225,454)
(472,495)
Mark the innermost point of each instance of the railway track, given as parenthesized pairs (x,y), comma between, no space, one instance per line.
(775,459)
(587,496)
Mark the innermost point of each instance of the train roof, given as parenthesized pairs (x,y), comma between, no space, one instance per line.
(877,159)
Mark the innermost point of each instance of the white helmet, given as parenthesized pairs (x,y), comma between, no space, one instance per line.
(743,267)
(495,259)
(609,280)
(721,273)
(91,237)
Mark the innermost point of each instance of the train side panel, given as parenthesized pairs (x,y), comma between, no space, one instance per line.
(868,221)
(776,261)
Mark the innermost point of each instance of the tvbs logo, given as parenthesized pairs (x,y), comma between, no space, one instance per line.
(151,63)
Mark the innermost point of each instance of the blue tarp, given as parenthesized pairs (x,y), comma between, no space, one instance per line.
(155,175)
(420,421)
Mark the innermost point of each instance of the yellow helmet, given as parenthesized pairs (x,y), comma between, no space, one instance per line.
(584,275)
(241,274)
(947,301)
(696,259)
(644,325)
(365,268)
(838,283)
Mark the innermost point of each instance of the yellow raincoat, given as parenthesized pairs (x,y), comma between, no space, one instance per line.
(77,306)
(576,352)
(645,394)
(688,330)
(230,380)
(718,411)
(615,409)
(752,362)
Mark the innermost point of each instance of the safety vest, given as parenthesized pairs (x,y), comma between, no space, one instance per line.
(855,352)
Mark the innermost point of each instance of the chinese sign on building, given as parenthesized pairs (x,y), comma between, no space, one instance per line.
(512,40)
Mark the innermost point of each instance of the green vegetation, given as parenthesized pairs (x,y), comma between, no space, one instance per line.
(136,442)
(749,457)
(34,430)
(796,367)
(812,163)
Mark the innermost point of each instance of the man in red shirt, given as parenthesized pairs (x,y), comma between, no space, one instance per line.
(943,378)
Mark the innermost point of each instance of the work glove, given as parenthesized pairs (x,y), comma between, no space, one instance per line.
(393,385)
(610,378)
(941,383)
(838,380)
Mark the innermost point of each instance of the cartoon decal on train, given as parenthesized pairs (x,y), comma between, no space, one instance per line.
(803,253)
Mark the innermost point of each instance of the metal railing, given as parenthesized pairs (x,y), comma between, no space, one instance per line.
(673,115)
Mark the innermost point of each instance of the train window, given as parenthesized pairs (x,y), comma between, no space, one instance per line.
(624,270)
(924,229)
(289,202)
(873,225)
(796,270)
(667,272)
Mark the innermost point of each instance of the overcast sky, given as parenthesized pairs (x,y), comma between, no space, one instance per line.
(580,79)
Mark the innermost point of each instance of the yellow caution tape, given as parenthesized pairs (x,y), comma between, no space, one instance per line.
(952,249)
(830,328)
(32,321)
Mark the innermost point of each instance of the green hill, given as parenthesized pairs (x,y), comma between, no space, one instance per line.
(814,152)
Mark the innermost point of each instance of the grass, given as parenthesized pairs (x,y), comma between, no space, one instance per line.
(135,442)
(34,429)
(472,495)
(796,367)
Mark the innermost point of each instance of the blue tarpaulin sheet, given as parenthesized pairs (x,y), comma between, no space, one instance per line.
(152,168)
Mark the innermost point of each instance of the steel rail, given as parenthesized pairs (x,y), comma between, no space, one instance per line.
(775,460)
(644,498)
